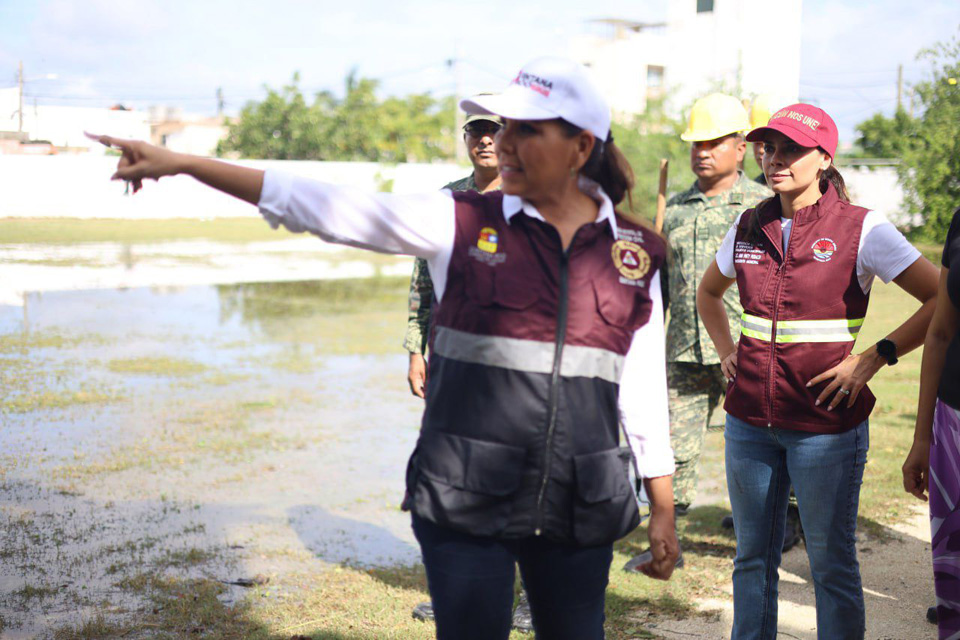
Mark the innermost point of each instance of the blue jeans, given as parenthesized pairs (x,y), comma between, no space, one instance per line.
(826,471)
(471,584)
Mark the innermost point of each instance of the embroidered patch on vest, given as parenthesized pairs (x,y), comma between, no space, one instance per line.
(823,249)
(630,259)
(488,240)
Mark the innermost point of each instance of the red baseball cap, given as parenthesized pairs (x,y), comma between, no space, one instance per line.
(805,124)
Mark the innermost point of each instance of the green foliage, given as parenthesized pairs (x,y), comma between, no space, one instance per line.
(358,127)
(883,137)
(644,141)
(930,171)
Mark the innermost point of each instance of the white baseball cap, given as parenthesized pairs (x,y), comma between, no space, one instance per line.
(548,88)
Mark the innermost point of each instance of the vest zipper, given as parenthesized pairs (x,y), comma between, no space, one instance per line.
(555,381)
(773,326)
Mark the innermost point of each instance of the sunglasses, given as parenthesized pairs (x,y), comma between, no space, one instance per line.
(478,129)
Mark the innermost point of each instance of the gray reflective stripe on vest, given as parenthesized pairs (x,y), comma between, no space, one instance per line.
(527,355)
(842,330)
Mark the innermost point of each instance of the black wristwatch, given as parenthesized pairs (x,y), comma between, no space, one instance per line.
(888,351)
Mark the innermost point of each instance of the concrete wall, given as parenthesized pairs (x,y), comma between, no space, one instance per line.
(79,187)
(877,188)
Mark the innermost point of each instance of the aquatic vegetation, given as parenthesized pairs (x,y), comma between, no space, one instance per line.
(157,366)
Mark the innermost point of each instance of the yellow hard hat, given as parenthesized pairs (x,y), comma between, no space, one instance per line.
(715,116)
(760,111)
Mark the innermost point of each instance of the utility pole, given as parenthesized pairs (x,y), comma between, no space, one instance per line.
(899,87)
(20,85)
(219,102)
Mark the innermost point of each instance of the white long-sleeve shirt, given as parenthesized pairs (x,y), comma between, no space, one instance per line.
(423,226)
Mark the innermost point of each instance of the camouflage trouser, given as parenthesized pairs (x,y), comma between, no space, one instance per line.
(695,391)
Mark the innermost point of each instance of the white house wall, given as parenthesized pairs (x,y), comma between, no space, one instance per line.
(83,189)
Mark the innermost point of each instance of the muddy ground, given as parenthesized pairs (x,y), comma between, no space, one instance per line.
(159,444)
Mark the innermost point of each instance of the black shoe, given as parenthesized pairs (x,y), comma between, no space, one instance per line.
(680,510)
(645,557)
(932,616)
(522,618)
(726,522)
(423,612)
(793,532)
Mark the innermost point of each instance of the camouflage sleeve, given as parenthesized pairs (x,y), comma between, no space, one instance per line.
(418,316)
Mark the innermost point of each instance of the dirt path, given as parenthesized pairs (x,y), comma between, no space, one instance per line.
(897,580)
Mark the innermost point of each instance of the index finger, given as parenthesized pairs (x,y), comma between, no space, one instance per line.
(108,141)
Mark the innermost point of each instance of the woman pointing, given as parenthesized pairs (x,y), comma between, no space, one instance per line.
(550,305)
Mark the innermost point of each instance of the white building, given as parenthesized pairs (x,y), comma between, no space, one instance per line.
(64,126)
(742,47)
(194,135)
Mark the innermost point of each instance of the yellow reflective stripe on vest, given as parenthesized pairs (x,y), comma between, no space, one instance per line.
(801,330)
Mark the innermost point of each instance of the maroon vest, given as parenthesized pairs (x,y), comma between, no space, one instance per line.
(803,308)
(520,430)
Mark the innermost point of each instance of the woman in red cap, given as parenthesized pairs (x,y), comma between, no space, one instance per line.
(550,301)
(797,402)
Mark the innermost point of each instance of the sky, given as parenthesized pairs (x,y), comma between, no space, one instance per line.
(178,52)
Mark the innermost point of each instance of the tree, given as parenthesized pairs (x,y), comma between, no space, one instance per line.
(644,141)
(357,127)
(930,171)
(883,137)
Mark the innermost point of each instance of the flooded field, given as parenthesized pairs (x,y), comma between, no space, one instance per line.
(159,441)
(226,460)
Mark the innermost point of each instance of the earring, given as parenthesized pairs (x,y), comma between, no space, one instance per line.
(573,172)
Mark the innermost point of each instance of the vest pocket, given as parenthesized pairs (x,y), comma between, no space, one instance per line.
(604,508)
(498,286)
(617,307)
(464,483)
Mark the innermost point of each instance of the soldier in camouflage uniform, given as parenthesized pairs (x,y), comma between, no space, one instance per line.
(695,223)
(478,133)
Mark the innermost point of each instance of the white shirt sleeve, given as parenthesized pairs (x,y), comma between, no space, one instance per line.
(725,252)
(418,225)
(884,252)
(643,393)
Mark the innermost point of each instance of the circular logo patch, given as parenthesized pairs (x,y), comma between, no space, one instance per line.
(823,249)
(630,259)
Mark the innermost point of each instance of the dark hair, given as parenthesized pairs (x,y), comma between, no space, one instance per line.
(607,166)
(830,175)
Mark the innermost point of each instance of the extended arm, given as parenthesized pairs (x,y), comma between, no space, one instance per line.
(140,161)
(419,225)
(943,327)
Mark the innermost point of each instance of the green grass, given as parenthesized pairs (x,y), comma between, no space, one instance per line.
(882,498)
(77,231)
(218,430)
(157,366)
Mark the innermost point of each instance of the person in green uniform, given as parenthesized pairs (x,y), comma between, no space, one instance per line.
(478,134)
(695,223)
